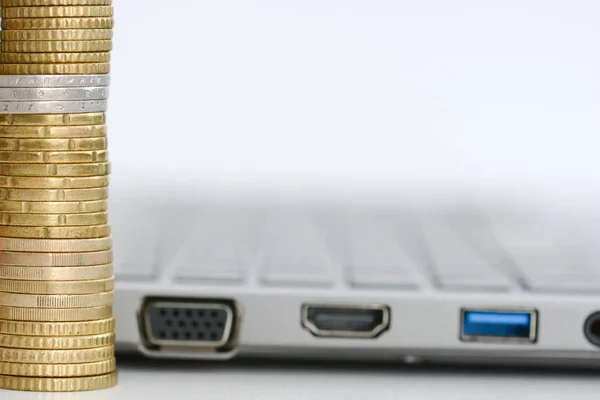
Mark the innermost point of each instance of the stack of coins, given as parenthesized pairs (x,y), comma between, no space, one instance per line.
(56,279)
(56,36)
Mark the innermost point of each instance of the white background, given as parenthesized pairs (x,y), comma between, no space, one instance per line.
(377,93)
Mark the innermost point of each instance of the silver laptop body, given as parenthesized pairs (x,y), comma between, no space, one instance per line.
(217,278)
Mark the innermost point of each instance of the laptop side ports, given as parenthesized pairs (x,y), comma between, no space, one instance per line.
(365,321)
(188,326)
(499,326)
(591,329)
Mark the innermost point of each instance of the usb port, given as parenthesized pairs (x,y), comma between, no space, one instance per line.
(499,326)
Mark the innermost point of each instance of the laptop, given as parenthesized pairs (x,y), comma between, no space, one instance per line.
(356,97)
(218,278)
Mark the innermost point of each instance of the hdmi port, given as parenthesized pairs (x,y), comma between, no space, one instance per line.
(346,321)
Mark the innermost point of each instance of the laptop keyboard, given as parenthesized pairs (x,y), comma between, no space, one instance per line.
(356,250)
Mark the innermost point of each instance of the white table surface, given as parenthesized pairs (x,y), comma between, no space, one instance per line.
(275,380)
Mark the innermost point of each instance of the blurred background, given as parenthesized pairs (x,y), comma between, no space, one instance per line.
(374,97)
(396,102)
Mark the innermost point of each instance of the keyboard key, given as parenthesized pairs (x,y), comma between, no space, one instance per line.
(218,247)
(295,253)
(471,281)
(572,283)
(136,239)
(373,259)
(300,272)
(210,269)
(547,256)
(456,264)
(555,269)
(381,276)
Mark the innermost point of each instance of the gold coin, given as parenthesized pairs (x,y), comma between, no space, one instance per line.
(53,58)
(56,300)
(20,182)
(58,370)
(56,343)
(53,207)
(56,245)
(42,220)
(83,328)
(56,273)
(57,23)
(40,3)
(90,169)
(62,69)
(55,314)
(27,356)
(58,34)
(44,144)
(64,287)
(83,131)
(57,12)
(88,194)
(57,46)
(38,120)
(55,259)
(55,232)
(78,384)
(53,157)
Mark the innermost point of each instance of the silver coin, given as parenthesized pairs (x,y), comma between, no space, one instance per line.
(54,94)
(53,81)
(52,107)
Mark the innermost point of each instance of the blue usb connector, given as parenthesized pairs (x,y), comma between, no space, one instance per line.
(502,326)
